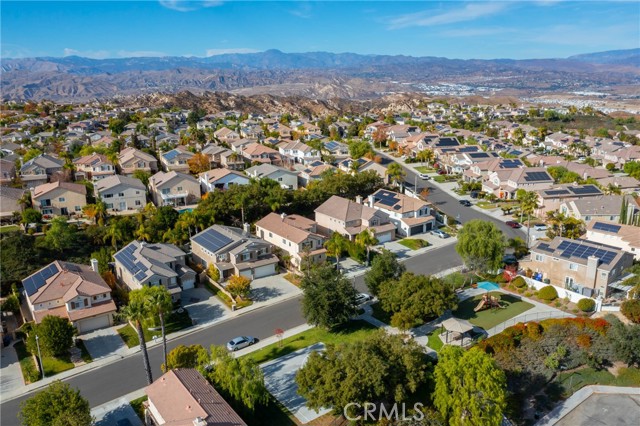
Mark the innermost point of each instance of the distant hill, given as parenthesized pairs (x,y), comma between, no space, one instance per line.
(314,74)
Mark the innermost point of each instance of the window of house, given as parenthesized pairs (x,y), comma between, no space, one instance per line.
(73,305)
(109,205)
(166,190)
(568,281)
(120,194)
(279,179)
(77,208)
(270,234)
(603,274)
(107,196)
(539,258)
(246,256)
(179,188)
(138,203)
(61,199)
(95,298)
(86,302)
(573,266)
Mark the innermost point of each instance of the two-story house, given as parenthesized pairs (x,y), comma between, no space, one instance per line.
(299,152)
(121,193)
(10,201)
(59,198)
(258,153)
(7,172)
(295,235)
(285,178)
(73,291)
(506,183)
(551,199)
(314,172)
(141,264)
(605,208)
(221,179)
(624,237)
(582,266)
(226,135)
(131,159)
(233,251)
(93,167)
(411,216)
(349,218)
(176,160)
(39,170)
(174,189)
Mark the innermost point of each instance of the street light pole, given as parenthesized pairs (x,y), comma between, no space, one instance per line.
(39,354)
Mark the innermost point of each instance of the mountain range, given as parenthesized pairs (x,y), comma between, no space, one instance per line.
(315,74)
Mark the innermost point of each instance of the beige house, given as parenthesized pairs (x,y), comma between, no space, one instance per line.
(182,397)
(551,199)
(582,266)
(295,235)
(131,159)
(176,159)
(93,167)
(121,193)
(73,291)
(59,198)
(624,237)
(40,170)
(505,183)
(604,208)
(10,201)
(349,218)
(7,171)
(410,215)
(174,189)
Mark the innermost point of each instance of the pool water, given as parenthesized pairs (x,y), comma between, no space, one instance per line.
(489,286)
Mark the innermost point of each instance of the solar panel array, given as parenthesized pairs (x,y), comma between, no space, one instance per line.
(545,247)
(510,164)
(471,148)
(585,190)
(331,145)
(128,260)
(557,192)
(387,198)
(171,154)
(37,280)
(479,155)
(584,251)
(609,227)
(447,142)
(536,176)
(212,240)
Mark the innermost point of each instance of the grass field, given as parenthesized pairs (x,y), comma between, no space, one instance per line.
(351,332)
(9,228)
(27,365)
(173,322)
(54,366)
(425,169)
(434,341)
(575,380)
(489,318)
(413,243)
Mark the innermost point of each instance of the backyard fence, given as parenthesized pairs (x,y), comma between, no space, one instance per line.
(535,316)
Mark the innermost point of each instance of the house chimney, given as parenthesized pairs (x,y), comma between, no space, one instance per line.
(246,227)
(94,265)
(359,199)
(371,200)
(283,215)
(199,421)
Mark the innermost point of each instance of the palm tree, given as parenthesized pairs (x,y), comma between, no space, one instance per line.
(426,155)
(97,212)
(159,302)
(396,173)
(366,240)
(336,245)
(528,204)
(136,311)
(25,200)
(142,233)
(115,233)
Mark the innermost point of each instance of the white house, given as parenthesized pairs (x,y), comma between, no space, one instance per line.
(411,216)
(121,193)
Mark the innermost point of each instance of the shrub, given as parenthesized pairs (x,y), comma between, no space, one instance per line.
(519,282)
(213,273)
(239,285)
(631,310)
(557,304)
(548,293)
(586,305)
(527,294)
(575,310)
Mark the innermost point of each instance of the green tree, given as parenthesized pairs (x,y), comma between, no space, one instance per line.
(55,335)
(469,387)
(359,149)
(97,212)
(158,301)
(60,236)
(632,168)
(185,357)
(385,266)
(625,340)
(143,176)
(31,154)
(366,240)
(329,298)
(239,286)
(396,173)
(426,155)
(336,245)
(528,204)
(240,378)
(31,216)
(381,369)
(481,245)
(57,405)
(415,299)
(136,312)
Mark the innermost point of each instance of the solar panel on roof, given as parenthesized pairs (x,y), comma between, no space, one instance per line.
(212,240)
(557,192)
(37,280)
(479,155)
(447,142)
(536,176)
(609,227)
(585,190)
(171,154)
(573,249)
(510,164)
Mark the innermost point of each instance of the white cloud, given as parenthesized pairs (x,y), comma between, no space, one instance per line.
(214,52)
(93,54)
(303,10)
(469,12)
(140,53)
(189,5)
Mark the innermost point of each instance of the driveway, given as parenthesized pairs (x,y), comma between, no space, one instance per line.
(279,378)
(10,373)
(268,289)
(103,343)
(203,307)
(111,413)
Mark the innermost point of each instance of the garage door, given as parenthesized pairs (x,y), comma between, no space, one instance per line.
(91,324)
(385,237)
(418,229)
(188,283)
(264,271)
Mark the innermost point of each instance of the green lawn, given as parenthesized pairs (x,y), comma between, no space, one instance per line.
(136,404)
(425,169)
(489,318)
(353,331)
(435,342)
(413,244)
(54,366)
(575,380)
(9,228)
(173,322)
(29,369)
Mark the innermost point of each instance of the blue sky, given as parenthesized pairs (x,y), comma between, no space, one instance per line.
(506,29)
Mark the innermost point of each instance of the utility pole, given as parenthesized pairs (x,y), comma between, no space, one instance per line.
(40,355)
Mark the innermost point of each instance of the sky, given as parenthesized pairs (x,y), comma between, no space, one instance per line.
(453,29)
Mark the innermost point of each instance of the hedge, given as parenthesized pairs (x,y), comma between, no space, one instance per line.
(586,305)
(548,293)
(519,282)
(631,310)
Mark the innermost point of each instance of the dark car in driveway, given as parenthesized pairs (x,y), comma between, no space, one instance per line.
(465,203)
(513,224)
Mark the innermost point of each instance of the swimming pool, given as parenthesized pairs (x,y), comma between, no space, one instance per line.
(185,210)
(489,286)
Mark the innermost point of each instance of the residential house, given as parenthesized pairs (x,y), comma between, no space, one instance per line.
(626,184)
(221,179)
(121,193)
(59,198)
(214,152)
(182,397)
(93,167)
(131,159)
(280,129)
(480,170)
(238,145)
(314,171)
(10,201)
(299,152)
(349,165)
(624,237)
(551,199)
(176,160)
(506,183)
(174,189)
(234,251)
(378,169)
(232,160)
(338,150)
(605,208)
(582,266)
(258,153)
(285,178)
(349,218)
(295,235)
(140,264)
(73,291)
(7,172)
(226,135)
(411,216)
(39,170)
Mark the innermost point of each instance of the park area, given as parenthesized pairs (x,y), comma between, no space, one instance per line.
(491,314)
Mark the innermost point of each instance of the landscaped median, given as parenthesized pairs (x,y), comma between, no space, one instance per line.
(413,243)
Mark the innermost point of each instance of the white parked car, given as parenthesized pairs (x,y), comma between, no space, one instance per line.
(424,176)
(362,298)
(440,233)
(240,342)
(540,227)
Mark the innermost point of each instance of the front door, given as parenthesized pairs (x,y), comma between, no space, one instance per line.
(64,211)
(123,205)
